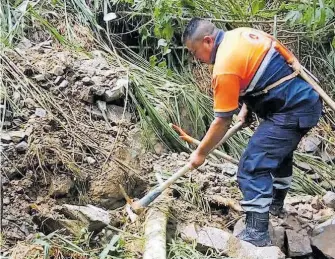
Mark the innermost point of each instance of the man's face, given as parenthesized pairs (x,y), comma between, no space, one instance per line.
(202,48)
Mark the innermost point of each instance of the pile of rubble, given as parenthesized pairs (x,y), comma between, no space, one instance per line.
(307,231)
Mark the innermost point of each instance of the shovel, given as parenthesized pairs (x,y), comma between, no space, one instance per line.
(136,207)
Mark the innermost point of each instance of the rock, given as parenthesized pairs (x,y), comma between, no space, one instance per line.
(316,204)
(96,218)
(16,136)
(39,112)
(6,201)
(239,226)
(320,228)
(5,137)
(115,113)
(209,237)
(278,237)
(60,186)
(113,94)
(58,71)
(16,97)
(159,148)
(29,103)
(329,199)
(87,81)
(63,85)
(290,209)
(294,200)
(310,144)
(40,78)
(298,244)
(292,223)
(122,83)
(24,44)
(58,80)
(324,242)
(229,169)
(48,224)
(22,250)
(105,190)
(21,147)
(90,160)
(304,166)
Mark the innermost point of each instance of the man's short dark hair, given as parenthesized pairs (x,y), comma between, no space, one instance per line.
(192,29)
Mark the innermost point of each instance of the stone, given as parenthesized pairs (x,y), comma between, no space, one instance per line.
(310,144)
(294,200)
(16,97)
(87,81)
(122,83)
(6,201)
(298,243)
(304,166)
(58,71)
(278,237)
(21,147)
(17,135)
(159,148)
(60,186)
(229,169)
(209,237)
(95,217)
(40,78)
(48,224)
(324,242)
(115,113)
(320,228)
(292,223)
(58,80)
(113,94)
(63,85)
(90,160)
(29,103)
(316,204)
(39,112)
(329,199)
(5,137)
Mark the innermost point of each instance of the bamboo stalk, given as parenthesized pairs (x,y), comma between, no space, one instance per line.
(155,230)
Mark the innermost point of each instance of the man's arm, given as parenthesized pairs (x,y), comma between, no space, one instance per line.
(215,133)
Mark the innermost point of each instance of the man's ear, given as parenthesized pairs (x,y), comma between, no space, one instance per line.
(207,39)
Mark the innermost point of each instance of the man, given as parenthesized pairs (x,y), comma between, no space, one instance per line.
(248,68)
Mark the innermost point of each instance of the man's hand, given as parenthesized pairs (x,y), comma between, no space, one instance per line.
(214,134)
(197,159)
(244,116)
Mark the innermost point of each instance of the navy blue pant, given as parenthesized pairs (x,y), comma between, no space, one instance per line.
(267,160)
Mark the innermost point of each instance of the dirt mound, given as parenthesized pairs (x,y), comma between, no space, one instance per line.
(59,143)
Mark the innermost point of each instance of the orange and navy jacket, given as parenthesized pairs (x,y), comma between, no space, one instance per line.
(237,56)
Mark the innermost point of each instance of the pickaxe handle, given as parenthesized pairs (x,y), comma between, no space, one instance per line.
(196,142)
(152,195)
(289,57)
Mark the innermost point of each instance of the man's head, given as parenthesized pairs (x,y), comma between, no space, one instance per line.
(199,37)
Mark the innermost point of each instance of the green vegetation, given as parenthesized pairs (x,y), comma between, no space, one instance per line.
(166,87)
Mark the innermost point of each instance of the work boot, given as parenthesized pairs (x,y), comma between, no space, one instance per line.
(277,206)
(256,229)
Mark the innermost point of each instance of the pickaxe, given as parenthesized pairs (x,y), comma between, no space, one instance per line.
(135,207)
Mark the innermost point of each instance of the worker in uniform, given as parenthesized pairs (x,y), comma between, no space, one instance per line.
(250,68)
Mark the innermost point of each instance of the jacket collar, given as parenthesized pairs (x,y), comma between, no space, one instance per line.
(218,39)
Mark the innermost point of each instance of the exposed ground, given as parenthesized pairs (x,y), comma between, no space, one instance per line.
(70,137)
